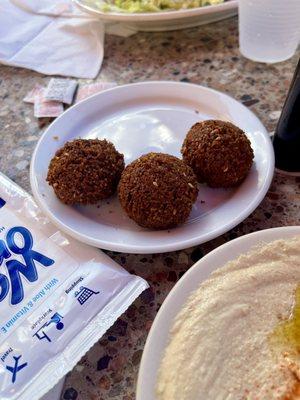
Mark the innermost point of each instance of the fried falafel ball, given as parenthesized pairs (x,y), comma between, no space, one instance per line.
(158,190)
(219,153)
(85,171)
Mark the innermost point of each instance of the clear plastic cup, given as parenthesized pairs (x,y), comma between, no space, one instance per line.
(269,29)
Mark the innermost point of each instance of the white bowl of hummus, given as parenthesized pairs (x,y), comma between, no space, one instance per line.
(230,328)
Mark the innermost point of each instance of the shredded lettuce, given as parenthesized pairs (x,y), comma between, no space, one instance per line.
(138,6)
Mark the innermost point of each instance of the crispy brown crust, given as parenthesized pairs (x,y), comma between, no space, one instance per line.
(85,171)
(158,191)
(294,394)
(219,153)
(292,370)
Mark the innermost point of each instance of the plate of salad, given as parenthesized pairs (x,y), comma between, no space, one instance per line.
(160,15)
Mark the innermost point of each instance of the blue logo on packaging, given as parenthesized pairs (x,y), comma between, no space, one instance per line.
(84,294)
(16,268)
(16,368)
(2,202)
(56,320)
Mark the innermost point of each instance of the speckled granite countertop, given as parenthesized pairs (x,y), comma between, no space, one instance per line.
(209,56)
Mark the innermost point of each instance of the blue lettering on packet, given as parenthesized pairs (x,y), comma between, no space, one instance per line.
(2,202)
(15,268)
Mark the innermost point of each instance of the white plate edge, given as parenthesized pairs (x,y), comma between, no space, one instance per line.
(159,16)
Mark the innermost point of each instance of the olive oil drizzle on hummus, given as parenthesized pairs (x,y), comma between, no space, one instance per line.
(287,333)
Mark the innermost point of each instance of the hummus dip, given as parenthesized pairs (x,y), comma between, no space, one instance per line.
(238,335)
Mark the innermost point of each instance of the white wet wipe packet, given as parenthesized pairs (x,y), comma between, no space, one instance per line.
(57,297)
(46,108)
(61,90)
(92,88)
(30,96)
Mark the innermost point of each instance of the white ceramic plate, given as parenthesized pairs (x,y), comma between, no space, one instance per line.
(159,334)
(144,117)
(166,20)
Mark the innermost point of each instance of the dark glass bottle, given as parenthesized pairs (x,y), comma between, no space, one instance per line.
(286,140)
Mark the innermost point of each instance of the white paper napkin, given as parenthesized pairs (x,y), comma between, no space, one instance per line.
(52,37)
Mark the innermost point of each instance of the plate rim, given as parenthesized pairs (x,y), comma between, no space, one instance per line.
(159,16)
(249,240)
(157,248)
